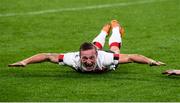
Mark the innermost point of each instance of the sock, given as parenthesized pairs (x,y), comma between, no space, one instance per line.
(115,39)
(99,41)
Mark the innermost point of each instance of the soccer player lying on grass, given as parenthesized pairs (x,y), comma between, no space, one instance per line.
(91,57)
(171,72)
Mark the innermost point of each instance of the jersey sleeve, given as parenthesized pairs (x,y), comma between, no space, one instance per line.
(109,60)
(70,59)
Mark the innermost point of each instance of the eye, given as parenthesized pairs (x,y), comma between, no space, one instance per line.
(84,58)
(92,58)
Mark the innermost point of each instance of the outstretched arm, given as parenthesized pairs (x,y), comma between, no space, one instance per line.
(129,58)
(42,57)
(171,72)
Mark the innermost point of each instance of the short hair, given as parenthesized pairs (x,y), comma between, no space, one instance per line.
(87,46)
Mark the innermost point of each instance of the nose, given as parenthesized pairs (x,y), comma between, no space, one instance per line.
(89,61)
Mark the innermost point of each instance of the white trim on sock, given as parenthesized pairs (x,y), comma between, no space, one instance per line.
(116,36)
(101,38)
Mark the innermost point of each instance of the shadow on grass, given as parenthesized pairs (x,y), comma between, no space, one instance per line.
(36,72)
(71,74)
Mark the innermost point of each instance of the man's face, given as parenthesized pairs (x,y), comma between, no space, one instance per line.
(88,59)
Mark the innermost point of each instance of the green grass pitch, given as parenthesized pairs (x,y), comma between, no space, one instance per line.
(152,29)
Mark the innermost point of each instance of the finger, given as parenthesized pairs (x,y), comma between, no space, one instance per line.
(17,64)
(171,74)
(161,63)
(9,65)
(165,72)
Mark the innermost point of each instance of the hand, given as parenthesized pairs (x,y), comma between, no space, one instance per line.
(171,72)
(17,64)
(157,63)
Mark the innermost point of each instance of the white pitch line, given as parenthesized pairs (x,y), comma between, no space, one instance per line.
(79,8)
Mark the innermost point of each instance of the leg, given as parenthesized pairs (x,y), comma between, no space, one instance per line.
(115,40)
(99,41)
(51,57)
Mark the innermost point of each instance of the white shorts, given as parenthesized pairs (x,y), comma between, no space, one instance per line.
(105,61)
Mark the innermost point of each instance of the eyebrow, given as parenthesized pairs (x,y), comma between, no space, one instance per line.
(88,56)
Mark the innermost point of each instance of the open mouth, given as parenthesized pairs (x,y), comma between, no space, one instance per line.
(88,67)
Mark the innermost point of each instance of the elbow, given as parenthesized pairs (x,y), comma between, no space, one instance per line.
(131,57)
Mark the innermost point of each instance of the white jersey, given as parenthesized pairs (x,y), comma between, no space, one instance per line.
(105,61)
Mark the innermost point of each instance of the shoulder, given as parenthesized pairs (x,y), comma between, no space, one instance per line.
(104,56)
(71,59)
(72,54)
(107,58)
(104,53)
